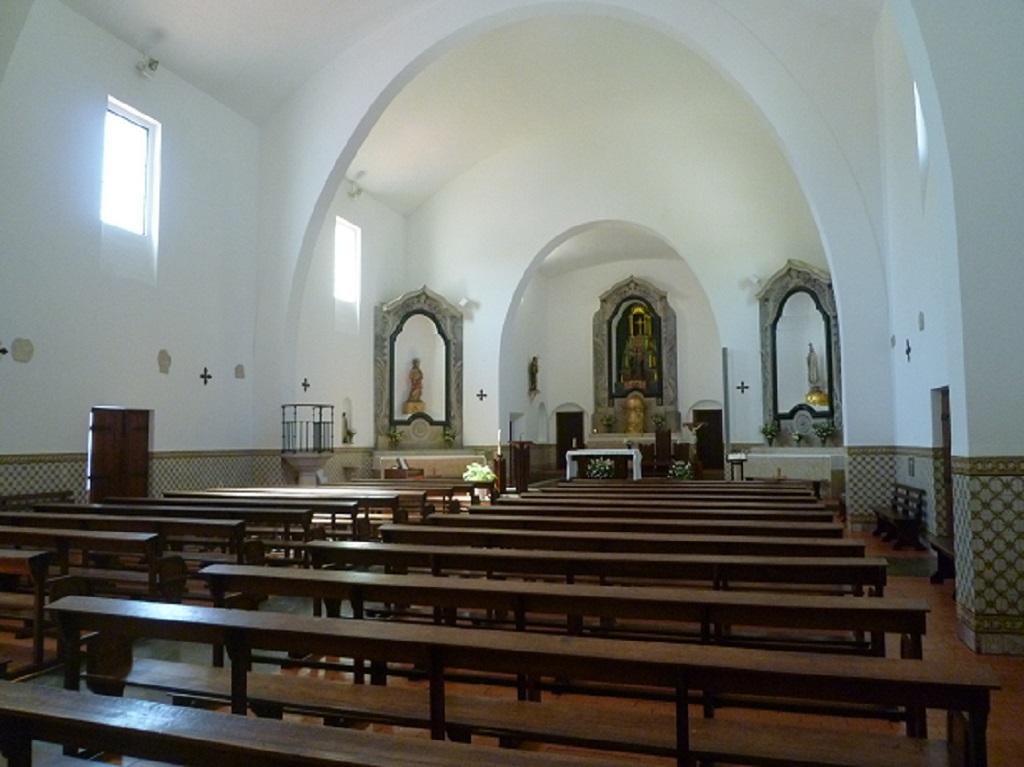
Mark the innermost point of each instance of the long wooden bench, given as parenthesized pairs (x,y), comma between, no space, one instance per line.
(393,505)
(628,511)
(788,500)
(849,574)
(25,501)
(682,670)
(901,520)
(33,566)
(613,541)
(771,488)
(277,526)
(32,713)
(655,501)
(688,614)
(634,524)
(158,576)
(226,536)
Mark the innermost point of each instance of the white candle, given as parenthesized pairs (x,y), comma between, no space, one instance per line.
(499,441)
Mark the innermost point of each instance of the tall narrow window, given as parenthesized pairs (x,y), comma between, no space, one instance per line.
(130,170)
(922,135)
(347,258)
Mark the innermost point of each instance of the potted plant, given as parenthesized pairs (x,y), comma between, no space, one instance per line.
(680,470)
(824,430)
(394,436)
(659,420)
(797,438)
(770,431)
(478,472)
(599,468)
(348,436)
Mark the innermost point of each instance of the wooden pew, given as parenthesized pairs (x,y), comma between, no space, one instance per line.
(444,493)
(656,501)
(771,488)
(613,541)
(163,577)
(33,566)
(854,574)
(189,736)
(667,612)
(678,491)
(277,526)
(25,501)
(174,532)
(635,524)
(394,505)
(680,669)
(630,511)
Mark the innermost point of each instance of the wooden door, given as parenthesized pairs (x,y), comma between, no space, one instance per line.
(568,432)
(947,461)
(118,453)
(710,445)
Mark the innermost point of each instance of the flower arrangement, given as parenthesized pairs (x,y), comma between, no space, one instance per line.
(599,468)
(448,436)
(348,436)
(607,421)
(770,431)
(394,436)
(680,470)
(798,438)
(659,420)
(823,430)
(478,472)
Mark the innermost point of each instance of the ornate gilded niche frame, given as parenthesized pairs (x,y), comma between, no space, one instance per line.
(652,309)
(800,282)
(390,322)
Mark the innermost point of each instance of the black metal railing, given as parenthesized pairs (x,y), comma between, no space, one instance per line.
(307,428)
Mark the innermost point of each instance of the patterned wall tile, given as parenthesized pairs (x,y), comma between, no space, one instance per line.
(869,479)
(44,473)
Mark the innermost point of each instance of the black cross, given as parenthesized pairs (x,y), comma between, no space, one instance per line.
(206,376)
(907,352)
(305,384)
(481,394)
(743,387)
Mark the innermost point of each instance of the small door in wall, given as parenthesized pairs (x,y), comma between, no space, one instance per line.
(118,453)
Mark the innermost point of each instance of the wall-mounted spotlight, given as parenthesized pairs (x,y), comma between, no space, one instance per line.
(147,67)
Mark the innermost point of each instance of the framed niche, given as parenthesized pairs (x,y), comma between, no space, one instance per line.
(800,355)
(418,368)
(634,349)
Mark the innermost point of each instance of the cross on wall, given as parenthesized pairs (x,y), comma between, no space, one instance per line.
(743,387)
(481,394)
(206,376)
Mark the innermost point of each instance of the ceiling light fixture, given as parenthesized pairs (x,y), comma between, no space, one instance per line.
(147,67)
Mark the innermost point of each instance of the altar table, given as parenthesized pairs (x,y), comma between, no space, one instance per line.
(572,468)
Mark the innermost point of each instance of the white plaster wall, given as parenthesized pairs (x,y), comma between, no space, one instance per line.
(984,129)
(826,130)
(918,270)
(334,347)
(96,333)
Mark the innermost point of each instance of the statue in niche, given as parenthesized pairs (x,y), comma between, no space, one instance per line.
(532,370)
(638,369)
(414,403)
(815,395)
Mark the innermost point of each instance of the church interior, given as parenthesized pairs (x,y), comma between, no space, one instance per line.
(743,242)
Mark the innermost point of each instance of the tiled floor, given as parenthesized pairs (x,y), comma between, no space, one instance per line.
(1005,733)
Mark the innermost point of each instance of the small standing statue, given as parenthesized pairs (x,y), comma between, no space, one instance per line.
(415,404)
(532,371)
(815,394)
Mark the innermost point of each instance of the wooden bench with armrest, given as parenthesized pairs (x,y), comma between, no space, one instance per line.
(683,670)
(902,519)
(844,574)
(614,541)
(635,524)
(149,730)
(33,566)
(669,613)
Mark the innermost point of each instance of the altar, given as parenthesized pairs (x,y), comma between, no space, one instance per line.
(632,453)
(810,464)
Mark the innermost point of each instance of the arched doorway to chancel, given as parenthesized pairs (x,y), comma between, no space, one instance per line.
(635,359)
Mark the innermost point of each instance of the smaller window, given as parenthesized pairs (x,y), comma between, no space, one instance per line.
(130,144)
(347,258)
(922,134)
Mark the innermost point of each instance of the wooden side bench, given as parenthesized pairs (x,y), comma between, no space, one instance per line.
(902,520)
